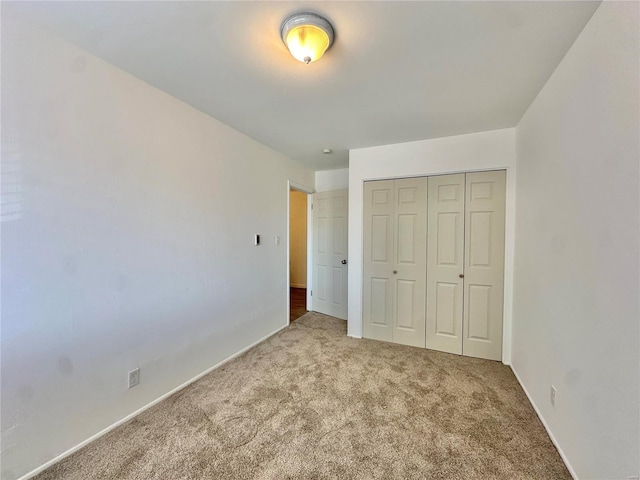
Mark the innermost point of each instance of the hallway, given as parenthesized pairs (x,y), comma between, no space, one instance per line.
(297,302)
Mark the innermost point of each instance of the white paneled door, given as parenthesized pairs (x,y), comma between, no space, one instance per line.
(434,262)
(484,264)
(445,263)
(329,289)
(394,260)
(377,308)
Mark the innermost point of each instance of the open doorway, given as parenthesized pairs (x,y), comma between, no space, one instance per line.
(298,252)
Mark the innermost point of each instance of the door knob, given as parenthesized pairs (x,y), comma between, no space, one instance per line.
(344,262)
(395,271)
(461,275)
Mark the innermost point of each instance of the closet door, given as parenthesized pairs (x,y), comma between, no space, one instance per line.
(445,262)
(410,247)
(449,244)
(395,260)
(484,264)
(378,261)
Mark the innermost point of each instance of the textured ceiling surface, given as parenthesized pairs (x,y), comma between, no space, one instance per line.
(398,71)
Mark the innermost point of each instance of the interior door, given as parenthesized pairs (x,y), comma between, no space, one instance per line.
(329,289)
(378,227)
(445,262)
(410,247)
(484,264)
(395,260)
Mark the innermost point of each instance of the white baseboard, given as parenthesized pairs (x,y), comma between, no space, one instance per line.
(297,285)
(142,409)
(544,423)
(354,336)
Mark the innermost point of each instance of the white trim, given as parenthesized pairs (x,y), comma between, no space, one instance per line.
(287,244)
(297,285)
(309,191)
(546,427)
(355,336)
(142,409)
(309,251)
(300,188)
(509,262)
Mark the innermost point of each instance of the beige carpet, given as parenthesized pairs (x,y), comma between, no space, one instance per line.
(312,403)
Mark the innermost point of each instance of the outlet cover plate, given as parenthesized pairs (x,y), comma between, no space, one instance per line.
(134,377)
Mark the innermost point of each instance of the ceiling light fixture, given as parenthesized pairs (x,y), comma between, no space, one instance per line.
(307,36)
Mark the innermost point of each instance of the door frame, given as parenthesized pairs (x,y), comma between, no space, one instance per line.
(309,192)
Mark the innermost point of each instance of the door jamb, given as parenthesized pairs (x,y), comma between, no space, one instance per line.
(308,191)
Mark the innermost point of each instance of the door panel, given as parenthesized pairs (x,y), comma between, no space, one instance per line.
(480,240)
(338,234)
(338,286)
(330,249)
(321,233)
(377,306)
(479,302)
(447,224)
(321,283)
(406,299)
(410,244)
(484,264)
(445,262)
(380,304)
(380,234)
(394,260)
(446,317)
(406,236)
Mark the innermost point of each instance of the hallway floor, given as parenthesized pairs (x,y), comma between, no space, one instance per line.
(298,303)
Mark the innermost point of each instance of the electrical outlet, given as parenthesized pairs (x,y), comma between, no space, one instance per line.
(553,396)
(134,377)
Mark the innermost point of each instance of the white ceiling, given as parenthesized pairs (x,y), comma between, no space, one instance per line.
(398,71)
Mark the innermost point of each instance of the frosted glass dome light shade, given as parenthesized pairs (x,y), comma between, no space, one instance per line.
(307,36)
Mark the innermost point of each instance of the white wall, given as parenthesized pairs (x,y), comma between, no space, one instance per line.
(298,239)
(127,241)
(327,180)
(576,314)
(462,153)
